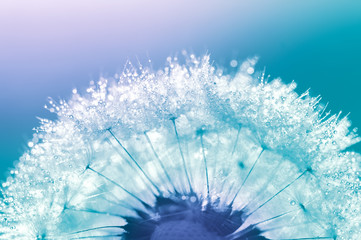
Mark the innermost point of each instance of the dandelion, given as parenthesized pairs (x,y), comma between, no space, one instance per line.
(186,153)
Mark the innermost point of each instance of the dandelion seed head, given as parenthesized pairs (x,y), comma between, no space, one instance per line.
(186,152)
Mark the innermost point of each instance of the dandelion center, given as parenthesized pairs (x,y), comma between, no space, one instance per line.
(188,218)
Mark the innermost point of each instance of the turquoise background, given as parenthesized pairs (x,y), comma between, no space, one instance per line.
(47,48)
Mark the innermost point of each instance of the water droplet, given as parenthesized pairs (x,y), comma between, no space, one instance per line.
(233,63)
(250,70)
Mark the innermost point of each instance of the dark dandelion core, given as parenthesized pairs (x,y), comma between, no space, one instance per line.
(186,218)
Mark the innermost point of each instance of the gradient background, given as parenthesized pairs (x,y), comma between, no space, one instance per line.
(49,47)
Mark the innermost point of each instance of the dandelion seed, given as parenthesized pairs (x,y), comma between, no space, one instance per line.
(186,153)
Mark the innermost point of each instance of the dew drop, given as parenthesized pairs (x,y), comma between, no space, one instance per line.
(233,63)
(250,70)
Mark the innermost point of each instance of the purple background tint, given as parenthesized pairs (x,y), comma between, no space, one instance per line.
(47,48)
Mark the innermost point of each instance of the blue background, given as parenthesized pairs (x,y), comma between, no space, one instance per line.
(47,48)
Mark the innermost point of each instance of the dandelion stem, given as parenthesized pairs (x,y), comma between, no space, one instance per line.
(237,234)
(236,142)
(135,162)
(249,173)
(275,217)
(104,236)
(95,228)
(159,161)
(118,185)
(182,155)
(277,193)
(307,238)
(205,164)
(94,211)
